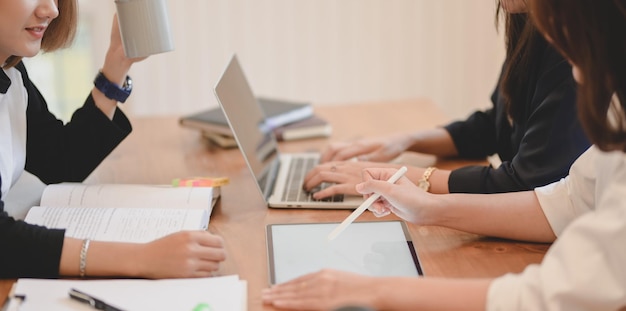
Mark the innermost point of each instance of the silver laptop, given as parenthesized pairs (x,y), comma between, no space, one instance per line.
(279,176)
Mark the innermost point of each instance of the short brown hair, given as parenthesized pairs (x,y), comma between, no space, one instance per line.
(591,34)
(60,32)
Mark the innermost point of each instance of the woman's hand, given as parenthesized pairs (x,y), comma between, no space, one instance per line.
(324,290)
(403,198)
(182,254)
(116,64)
(343,174)
(115,69)
(382,149)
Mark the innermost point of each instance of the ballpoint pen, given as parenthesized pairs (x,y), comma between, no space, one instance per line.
(92,301)
(344,224)
(13,301)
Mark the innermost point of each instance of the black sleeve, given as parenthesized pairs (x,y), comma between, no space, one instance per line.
(58,152)
(28,250)
(551,140)
(475,137)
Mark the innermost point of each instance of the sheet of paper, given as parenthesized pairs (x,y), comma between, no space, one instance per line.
(126,195)
(119,224)
(219,293)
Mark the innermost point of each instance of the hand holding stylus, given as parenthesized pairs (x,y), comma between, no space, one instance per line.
(344,224)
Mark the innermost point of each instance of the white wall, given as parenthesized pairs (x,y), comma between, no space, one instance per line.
(325,51)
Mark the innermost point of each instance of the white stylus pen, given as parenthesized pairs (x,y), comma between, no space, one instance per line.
(344,224)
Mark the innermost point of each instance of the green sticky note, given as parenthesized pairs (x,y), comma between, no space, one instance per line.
(203,306)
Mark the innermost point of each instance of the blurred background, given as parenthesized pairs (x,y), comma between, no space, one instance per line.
(328,52)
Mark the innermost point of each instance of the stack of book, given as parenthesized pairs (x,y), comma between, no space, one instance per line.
(289,120)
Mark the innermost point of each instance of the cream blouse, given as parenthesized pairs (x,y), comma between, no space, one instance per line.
(584,268)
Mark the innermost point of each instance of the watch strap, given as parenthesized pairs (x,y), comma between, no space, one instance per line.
(112,90)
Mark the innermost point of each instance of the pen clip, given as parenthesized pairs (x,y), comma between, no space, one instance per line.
(92,301)
(82,297)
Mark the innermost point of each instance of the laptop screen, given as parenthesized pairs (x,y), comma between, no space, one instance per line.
(247,122)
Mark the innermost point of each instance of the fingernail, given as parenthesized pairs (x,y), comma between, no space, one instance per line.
(358,187)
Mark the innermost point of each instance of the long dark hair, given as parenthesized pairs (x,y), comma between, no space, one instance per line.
(591,34)
(524,45)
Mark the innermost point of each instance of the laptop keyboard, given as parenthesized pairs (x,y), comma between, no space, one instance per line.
(294,191)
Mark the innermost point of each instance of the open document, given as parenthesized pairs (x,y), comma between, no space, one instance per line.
(224,293)
(124,213)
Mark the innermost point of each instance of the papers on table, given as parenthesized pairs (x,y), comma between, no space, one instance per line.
(215,293)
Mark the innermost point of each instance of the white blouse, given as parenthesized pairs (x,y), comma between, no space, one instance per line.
(12,130)
(585,268)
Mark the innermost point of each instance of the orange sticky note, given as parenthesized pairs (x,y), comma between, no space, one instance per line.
(200,182)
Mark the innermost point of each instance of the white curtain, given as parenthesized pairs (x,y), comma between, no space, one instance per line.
(324,51)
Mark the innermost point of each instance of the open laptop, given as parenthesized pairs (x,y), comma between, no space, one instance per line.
(278,176)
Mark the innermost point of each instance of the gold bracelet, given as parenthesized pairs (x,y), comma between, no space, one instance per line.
(83,258)
(424,183)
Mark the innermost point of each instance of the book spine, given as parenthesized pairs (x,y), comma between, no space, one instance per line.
(290,117)
(295,134)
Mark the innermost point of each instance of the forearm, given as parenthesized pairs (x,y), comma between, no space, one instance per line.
(430,294)
(103,259)
(515,215)
(182,254)
(438,178)
(115,68)
(434,141)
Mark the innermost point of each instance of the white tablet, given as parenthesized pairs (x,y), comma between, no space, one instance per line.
(376,248)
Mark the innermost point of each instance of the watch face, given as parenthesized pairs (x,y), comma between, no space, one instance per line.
(423,184)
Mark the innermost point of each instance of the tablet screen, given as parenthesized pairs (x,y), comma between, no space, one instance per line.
(377,248)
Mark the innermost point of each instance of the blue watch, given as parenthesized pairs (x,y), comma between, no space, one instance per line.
(112,90)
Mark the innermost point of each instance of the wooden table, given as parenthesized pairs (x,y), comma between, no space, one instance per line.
(159,150)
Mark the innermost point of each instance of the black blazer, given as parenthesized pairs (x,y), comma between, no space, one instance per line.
(55,152)
(536,151)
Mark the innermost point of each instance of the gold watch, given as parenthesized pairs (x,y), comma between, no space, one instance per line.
(424,183)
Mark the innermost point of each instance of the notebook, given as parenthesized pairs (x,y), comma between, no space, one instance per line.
(375,248)
(278,175)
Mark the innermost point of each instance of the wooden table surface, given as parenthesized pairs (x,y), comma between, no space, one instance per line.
(159,150)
